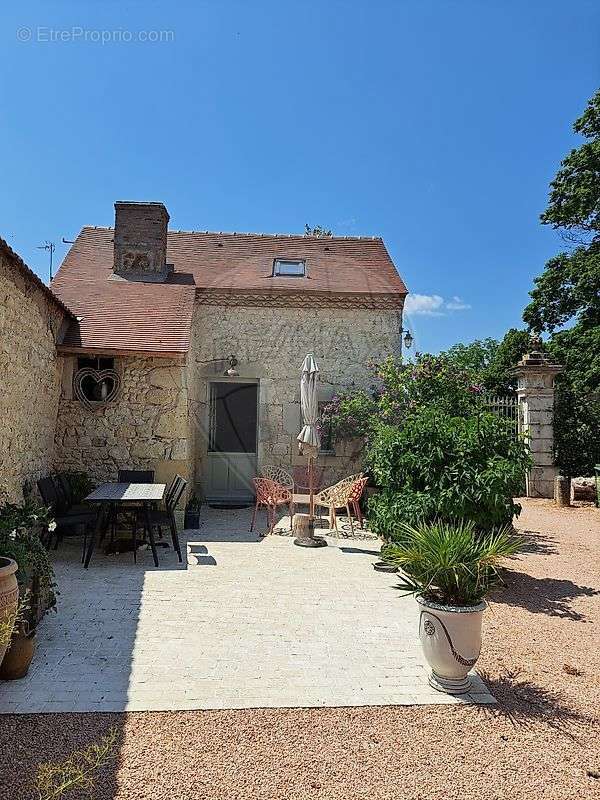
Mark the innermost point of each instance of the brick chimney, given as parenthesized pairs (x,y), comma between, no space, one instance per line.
(141,241)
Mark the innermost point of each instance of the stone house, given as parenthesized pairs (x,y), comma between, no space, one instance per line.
(180,351)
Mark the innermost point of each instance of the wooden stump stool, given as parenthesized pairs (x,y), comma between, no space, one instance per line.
(304,533)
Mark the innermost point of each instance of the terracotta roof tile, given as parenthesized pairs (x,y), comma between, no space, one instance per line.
(156,317)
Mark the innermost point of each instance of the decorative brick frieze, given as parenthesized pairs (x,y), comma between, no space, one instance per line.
(215,297)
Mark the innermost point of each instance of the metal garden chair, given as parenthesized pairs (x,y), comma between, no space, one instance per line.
(337,496)
(278,475)
(271,495)
(65,522)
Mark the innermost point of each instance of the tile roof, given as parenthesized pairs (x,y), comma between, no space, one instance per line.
(156,317)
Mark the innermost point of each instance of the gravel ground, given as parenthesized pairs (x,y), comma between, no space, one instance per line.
(541,659)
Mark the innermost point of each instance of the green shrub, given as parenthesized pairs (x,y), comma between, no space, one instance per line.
(80,484)
(431,465)
(388,509)
(576,431)
(450,563)
(21,529)
(431,447)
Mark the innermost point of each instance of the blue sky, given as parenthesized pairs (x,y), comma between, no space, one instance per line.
(437,125)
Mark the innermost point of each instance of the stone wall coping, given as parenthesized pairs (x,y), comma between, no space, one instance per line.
(29,275)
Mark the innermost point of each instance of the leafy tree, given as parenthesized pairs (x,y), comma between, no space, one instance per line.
(316,231)
(569,288)
(567,295)
(574,203)
(398,389)
(491,362)
(500,377)
(475,356)
(567,291)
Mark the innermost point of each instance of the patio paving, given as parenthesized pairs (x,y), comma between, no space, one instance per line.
(245,623)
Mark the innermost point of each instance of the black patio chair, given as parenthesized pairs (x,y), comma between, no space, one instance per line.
(136,476)
(166,517)
(67,523)
(132,515)
(64,489)
(172,488)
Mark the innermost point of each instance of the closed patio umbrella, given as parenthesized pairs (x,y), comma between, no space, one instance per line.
(309,440)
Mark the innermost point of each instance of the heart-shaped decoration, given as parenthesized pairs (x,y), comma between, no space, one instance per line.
(107,381)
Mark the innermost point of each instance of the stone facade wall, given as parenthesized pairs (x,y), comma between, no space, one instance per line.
(270,345)
(160,418)
(30,377)
(145,427)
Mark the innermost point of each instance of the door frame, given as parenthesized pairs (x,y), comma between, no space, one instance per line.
(212,455)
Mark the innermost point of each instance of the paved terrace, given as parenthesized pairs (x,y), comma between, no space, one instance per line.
(245,623)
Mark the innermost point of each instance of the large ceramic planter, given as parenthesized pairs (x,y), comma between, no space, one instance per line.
(17,660)
(451,641)
(9,595)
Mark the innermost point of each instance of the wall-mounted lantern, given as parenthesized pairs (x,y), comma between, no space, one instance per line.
(231,371)
(408,338)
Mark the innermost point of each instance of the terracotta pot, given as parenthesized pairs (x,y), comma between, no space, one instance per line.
(9,594)
(383,566)
(17,659)
(451,641)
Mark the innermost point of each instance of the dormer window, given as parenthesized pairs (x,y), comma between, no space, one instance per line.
(289,269)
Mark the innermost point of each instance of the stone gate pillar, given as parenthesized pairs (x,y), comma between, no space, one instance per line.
(536,417)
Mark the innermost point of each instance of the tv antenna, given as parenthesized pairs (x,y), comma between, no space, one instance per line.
(50,247)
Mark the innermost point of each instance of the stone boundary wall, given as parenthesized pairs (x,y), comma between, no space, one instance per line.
(31,323)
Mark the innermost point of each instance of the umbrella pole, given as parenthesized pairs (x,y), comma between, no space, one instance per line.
(311,490)
(310,540)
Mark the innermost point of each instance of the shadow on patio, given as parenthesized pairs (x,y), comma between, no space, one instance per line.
(87,647)
(550,596)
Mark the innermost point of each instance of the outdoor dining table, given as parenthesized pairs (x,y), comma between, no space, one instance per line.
(110,495)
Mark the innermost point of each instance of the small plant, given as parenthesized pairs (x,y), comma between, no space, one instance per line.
(21,531)
(14,621)
(194,503)
(77,772)
(80,484)
(449,563)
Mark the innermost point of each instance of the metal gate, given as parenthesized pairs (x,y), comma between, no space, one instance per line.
(507,407)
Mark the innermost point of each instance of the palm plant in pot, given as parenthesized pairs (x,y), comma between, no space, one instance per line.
(451,568)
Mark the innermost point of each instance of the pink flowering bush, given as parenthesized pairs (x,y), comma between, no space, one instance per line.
(397,390)
(431,447)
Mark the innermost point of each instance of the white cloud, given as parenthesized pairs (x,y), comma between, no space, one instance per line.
(430,304)
(456,304)
(433,305)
